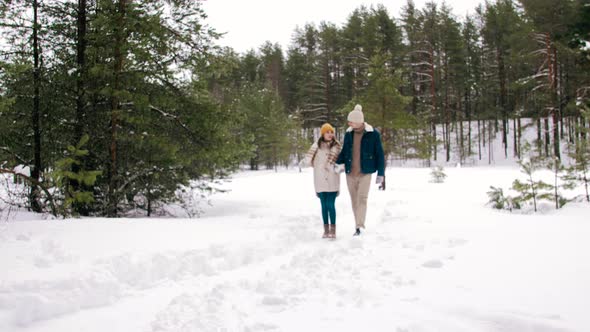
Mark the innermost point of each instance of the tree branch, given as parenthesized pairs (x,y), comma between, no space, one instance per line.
(37,183)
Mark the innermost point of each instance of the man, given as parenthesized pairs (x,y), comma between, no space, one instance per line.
(362,155)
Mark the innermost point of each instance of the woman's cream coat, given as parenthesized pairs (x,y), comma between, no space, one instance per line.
(322,158)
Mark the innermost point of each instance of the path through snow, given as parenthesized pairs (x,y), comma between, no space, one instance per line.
(433,258)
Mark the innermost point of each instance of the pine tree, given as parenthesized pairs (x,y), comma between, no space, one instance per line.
(551,22)
(473,75)
(355,61)
(70,183)
(578,173)
(504,29)
(267,125)
(531,189)
(24,19)
(383,103)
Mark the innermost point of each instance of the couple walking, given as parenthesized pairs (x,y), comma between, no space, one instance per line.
(362,155)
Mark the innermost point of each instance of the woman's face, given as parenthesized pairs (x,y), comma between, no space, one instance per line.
(328,136)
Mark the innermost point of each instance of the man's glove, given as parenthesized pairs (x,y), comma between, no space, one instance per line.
(381,182)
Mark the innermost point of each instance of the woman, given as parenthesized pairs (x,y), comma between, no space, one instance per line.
(322,156)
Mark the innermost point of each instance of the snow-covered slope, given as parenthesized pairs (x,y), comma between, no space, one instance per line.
(433,258)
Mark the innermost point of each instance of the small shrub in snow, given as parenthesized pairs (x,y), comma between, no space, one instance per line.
(557,168)
(500,201)
(438,175)
(74,188)
(532,189)
(191,198)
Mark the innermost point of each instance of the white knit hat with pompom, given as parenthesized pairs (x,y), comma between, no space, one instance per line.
(356,115)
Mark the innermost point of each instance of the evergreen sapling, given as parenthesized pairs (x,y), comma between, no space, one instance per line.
(438,175)
(531,189)
(63,176)
(500,201)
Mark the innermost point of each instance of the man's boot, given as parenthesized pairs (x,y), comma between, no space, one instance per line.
(326,231)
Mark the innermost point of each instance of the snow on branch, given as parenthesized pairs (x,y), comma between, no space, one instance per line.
(29,179)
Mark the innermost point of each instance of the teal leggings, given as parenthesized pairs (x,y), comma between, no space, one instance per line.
(328,208)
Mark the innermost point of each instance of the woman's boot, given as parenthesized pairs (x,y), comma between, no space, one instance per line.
(333,231)
(326,231)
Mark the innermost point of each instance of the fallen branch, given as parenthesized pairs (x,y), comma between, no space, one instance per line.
(36,183)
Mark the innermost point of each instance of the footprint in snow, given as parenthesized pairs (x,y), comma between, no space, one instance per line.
(411,299)
(433,263)
(23,237)
(454,242)
(261,327)
(273,300)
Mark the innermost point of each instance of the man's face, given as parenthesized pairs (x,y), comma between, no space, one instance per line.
(355,125)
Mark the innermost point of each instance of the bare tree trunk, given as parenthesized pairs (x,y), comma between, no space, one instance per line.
(503,98)
(118,68)
(553,86)
(445,139)
(539,136)
(547,136)
(571,133)
(461,142)
(80,124)
(478,139)
(582,125)
(556,140)
(515,138)
(468,118)
(81,63)
(490,145)
(433,99)
(484,133)
(434,138)
(446,111)
(519,139)
(36,118)
(327,92)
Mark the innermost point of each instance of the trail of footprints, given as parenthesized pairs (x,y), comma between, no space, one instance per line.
(307,267)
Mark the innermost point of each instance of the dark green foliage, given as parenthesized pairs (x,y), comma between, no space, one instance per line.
(500,201)
(268,127)
(437,174)
(71,184)
(531,189)
(578,173)
(150,118)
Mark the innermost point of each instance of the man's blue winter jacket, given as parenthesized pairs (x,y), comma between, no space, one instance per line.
(372,158)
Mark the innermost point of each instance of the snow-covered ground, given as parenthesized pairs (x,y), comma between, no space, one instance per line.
(433,258)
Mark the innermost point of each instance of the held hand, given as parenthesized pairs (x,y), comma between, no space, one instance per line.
(381,182)
(338,168)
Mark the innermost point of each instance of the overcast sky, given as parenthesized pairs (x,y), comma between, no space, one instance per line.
(249,23)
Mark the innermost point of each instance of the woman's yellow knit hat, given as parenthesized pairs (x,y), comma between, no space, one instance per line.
(326,127)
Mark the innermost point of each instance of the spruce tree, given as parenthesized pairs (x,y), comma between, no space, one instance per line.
(383,104)
(531,189)
(578,173)
(70,183)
